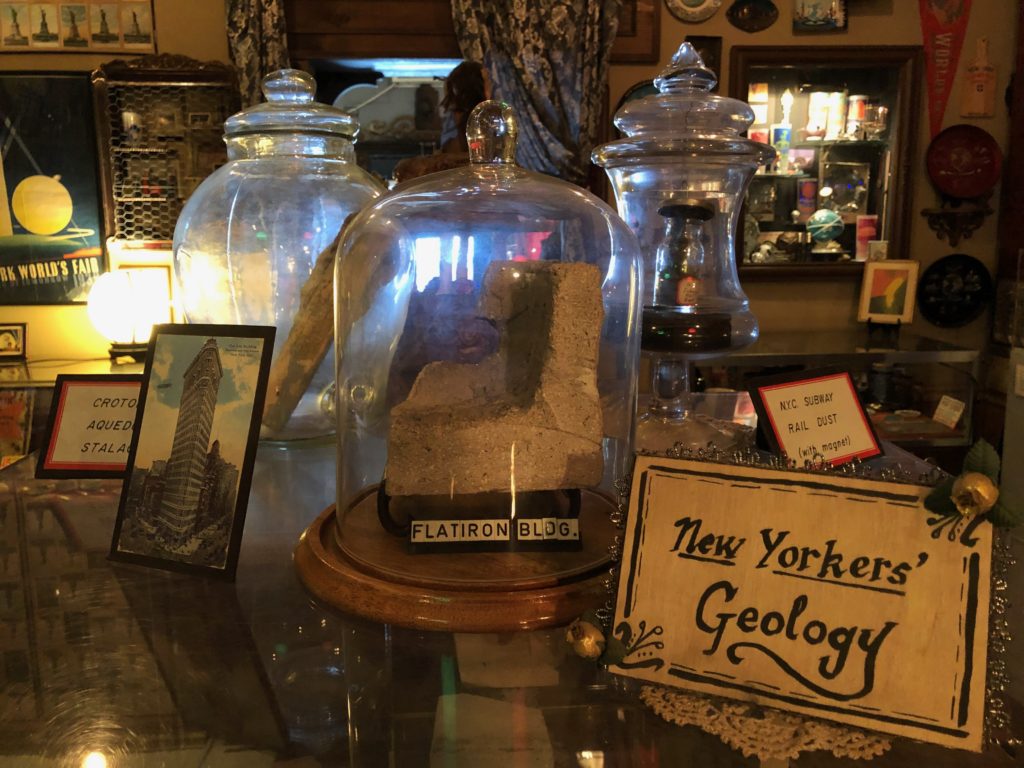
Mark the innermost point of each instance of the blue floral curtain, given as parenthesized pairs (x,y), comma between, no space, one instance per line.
(257,42)
(548,59)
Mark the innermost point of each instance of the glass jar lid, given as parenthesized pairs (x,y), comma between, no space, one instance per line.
(492,183)
(290,108)
(684,117)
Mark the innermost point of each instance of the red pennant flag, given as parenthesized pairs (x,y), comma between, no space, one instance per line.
(943,23)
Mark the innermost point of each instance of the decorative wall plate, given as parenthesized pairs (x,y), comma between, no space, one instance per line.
(693,10)
(752,15)
(954,291)
(964,161)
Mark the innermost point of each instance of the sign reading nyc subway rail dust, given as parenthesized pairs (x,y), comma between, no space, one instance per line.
(838,598)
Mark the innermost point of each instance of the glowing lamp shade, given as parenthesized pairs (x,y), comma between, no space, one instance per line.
(125,304)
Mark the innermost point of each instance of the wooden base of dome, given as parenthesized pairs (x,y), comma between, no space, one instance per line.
(477,592)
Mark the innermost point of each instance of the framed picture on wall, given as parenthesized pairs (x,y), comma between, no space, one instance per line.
(888,291)
(819,15)
(50,226)
(637,40)
(12,342)
(85,26)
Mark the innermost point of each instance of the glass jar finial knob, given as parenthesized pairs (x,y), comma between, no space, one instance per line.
(686,70)
(492,131)
(289,86)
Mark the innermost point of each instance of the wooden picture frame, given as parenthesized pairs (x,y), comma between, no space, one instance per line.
(90,426)
(199,416)
(888,292)
(83,26)
(638,40)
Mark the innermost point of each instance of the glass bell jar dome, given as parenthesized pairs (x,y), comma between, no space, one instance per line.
(680,175)
(262,227)
(486,345)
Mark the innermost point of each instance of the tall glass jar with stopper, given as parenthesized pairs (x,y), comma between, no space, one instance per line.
(680,176)
(256,240)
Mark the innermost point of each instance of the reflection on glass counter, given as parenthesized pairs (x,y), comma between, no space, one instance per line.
(841,121)
(900,384)
(129,667)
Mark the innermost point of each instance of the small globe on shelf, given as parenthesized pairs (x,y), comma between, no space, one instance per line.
(824,225)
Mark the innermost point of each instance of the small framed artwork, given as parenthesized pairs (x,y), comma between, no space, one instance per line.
(80,26)
(12,342)
(165,120)
(74,25)
(90,428)
(14,25)
(137,26)
(192,453)
(878,250)
(639,35)
(104,25)
(200,119)
(44,25)
(819,15)
(887,292)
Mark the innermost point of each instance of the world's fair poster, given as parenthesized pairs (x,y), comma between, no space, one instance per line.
(50,239)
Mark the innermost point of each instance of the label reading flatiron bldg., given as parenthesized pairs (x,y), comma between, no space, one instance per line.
(492,534)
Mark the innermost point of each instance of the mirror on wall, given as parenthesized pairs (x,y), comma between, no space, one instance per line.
(842,119)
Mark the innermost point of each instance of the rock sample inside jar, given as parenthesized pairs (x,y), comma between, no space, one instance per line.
(525,418)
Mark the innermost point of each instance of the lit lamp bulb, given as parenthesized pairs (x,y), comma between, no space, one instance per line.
(125,304)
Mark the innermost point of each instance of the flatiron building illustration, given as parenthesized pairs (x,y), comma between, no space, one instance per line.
(186,467)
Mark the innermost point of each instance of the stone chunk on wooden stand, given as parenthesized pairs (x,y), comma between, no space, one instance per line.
(529,414)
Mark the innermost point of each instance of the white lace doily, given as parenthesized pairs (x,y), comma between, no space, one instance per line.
(759,731)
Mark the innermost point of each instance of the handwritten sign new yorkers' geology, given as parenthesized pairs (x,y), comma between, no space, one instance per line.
(828,596)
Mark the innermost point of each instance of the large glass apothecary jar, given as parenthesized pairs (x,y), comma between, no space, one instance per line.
(679,175)
(487,343)
(255,242)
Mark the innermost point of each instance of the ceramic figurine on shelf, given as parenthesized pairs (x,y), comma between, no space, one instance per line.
(978,94)
(782,131)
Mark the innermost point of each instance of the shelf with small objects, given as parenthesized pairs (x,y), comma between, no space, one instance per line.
(918,392)
(839,120)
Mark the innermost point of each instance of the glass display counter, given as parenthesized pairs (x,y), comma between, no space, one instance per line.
(123,666)
(899,382)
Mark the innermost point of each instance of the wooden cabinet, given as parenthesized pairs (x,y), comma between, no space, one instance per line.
(416,29)
(319,29)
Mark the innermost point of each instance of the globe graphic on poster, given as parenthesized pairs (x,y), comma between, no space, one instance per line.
(42,205)
(824,225)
